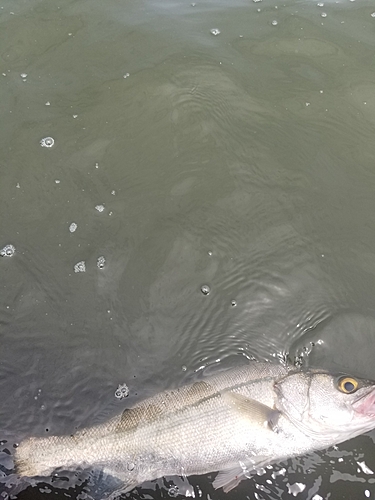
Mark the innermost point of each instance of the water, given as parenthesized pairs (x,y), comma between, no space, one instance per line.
(243,162)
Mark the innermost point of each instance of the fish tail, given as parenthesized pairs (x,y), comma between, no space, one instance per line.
(40,456)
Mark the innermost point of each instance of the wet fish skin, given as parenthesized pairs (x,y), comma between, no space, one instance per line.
(233,422)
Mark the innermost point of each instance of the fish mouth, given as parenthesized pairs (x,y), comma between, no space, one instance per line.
(366,405)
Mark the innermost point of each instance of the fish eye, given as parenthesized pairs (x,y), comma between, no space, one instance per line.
(348,385)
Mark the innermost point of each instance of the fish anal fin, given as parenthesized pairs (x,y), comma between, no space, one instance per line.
(232,476)
(228,478)
(256,412)
(114,481)
(122,490)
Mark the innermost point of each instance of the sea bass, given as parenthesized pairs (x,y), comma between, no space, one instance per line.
(234,422)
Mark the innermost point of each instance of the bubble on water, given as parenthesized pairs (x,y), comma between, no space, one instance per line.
(99,208)
(57,181)
(96,165)
(80,267)
(122,391)
(233,303)
(130,466)
(47,142)
(48,103)
(323,14)
(372,14)
(113,192)
(18,185)
(173,491)
(73,226)
(274,22)
(209,253)
(184,368)
(75,116)
(23,75)
(205,289)
(215,31)
(8,251)
(100,262)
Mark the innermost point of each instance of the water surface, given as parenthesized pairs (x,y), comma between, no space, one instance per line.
(242,160)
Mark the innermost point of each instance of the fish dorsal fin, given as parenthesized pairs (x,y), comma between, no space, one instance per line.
(144,413)
(258,413)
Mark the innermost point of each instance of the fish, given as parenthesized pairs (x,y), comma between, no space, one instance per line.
(233,423)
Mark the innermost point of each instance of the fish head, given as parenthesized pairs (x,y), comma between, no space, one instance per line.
(330,408)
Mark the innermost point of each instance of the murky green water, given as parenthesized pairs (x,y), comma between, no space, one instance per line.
(243,161)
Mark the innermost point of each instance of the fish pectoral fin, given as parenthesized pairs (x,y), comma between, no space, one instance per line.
(258,413)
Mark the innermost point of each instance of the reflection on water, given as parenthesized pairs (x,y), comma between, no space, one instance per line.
(242,161)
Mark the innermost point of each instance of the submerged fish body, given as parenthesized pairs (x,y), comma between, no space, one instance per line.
(234,422)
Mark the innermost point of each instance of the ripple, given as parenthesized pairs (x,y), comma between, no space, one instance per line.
(347,335)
